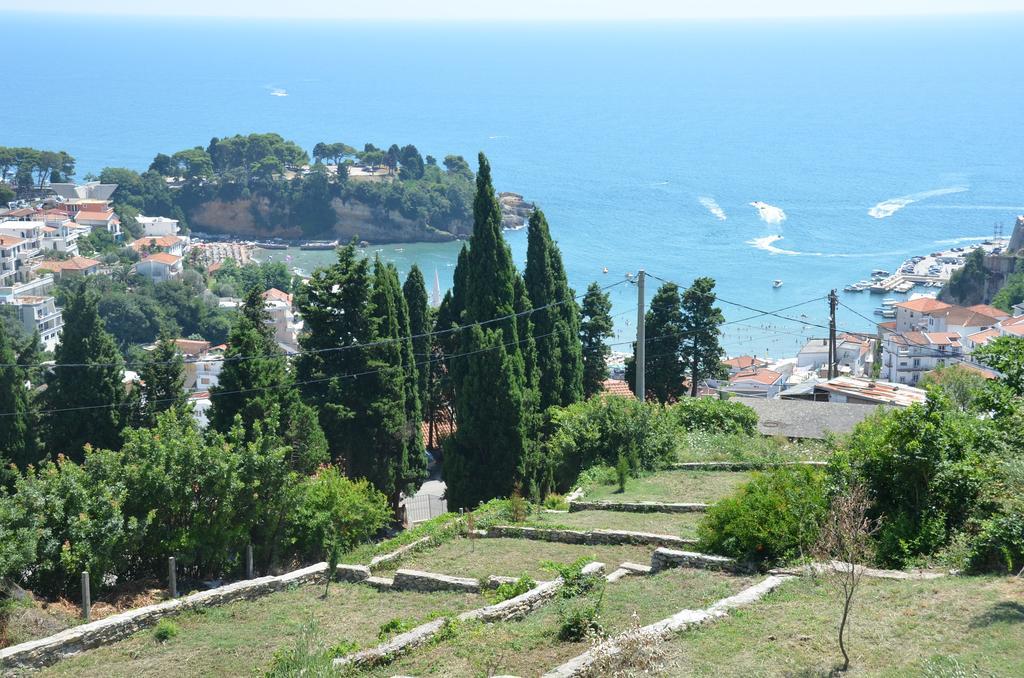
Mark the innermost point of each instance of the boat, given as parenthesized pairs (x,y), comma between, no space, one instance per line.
(272,245)
(776,283)
(890,302)
(880,271)
(319,245)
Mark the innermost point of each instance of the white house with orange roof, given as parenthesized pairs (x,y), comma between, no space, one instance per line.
(159,267)
(854,352)
(911,315)
(158,226)
(757,382)
(75,266)
(743,362)
(907,356)
(168,244)
(104,219)
(287,325)
(59,234)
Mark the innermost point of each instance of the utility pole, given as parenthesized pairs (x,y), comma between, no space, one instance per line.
(833,300)
(641,341)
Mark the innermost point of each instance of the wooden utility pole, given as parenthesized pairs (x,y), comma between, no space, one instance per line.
(833,301)
(641,340)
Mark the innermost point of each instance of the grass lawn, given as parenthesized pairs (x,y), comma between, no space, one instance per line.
(239,639)
(515,557)
(705,446)
(678,524)
(530,647)
(899,629)
(697,487)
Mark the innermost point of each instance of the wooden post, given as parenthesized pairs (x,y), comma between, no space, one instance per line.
(172,577)
(86,599)
(248,562)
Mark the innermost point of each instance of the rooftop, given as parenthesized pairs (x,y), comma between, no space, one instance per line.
(10,240)
(923,305)
(988,310)
(806,418)
(155,241)
(882,392)
(766,377)
(616,387)
(162,258)
(72,264)
(742,362)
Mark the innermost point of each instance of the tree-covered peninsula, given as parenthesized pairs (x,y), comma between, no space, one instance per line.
(265,186)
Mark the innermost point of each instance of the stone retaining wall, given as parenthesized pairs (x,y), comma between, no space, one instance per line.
(377,561)
(589,662)
(737,465)
(513,608)
(588,538)
(637,506)
(415,580)
(663,559)
(44,651)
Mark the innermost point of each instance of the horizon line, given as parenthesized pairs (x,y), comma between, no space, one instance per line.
(538,20)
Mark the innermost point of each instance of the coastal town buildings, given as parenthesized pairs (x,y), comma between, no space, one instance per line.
(159,267)
(75,266)
(168,244)
(285,322)
(864,391)
(157,226)
(854,354)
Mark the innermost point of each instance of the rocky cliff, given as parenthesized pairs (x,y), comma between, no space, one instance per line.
(252,218)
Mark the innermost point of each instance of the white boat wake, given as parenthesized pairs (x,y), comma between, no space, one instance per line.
(767,243)
(712,206)
(769,213)
(278,92)
(887,208)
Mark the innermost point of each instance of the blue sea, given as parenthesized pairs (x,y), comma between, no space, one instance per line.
(864,141)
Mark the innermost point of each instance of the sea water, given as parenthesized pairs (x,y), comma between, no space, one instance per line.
(806,151)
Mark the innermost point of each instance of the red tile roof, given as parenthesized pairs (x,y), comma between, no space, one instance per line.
(766,377)
(875,391)
(10,240)
(158,241)
(72,264)
(442,430)
(192,346)
(923,305)
(983,337)
(163,258)
(616,387)
(274,293)
(742,362)
(991,311)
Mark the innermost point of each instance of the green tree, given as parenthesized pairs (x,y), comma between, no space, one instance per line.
(663,327)
(163,378)
(491,448)
(1006,356)
(595,329)
(701,352)
(555,318)
(967,284)
(17,441)
(85,396)
(415,292)
(1011,293)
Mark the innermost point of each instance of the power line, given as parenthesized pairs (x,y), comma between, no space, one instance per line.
(329,349)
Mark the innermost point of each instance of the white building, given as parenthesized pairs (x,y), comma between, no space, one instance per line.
(60,234)
(907,356)
(757,382)
(853,352)
(159,267)
(157,226)
(168,244)
(283,318)
(103,219)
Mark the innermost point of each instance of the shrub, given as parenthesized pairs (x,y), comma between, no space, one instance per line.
(622,472)
(928,469)
(393,627)
(772,519)
(556,502)
(999,544)
(575,582)
(711,414)
(509,590)
(342,648)
(602,474)
(580,619)
(333,507)
(517,505)
(599,430)
(164,630)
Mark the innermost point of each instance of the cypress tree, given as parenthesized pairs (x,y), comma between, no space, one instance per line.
(415,293)
(162,376)
(85,399)
(494,405)
(663,325)
(17,443)
(556,318)
(701,352)
(256,384)
(595,327)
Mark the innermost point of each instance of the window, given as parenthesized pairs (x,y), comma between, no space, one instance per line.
(917,362)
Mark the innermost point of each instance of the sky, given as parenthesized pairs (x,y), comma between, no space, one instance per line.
(522,10)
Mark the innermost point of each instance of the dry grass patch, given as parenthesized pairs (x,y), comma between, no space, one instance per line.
(701,487)
(514,557)
(239,639)
(677,524)
(530,647)
(899,628)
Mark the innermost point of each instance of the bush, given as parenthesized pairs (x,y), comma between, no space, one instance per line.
(602,474)
(556,502)
(581,619)
(999,544)
(164,630)
(509,590)
(333,507)
(393,627)
(772,519)
(713,415)
(929,469)
(599,430)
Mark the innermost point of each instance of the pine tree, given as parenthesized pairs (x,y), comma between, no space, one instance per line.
(555,318)
(595,328)
(17,442)
(415,293)
(85,396)
(663,327)
(701,352)
(162,376)
(494,403)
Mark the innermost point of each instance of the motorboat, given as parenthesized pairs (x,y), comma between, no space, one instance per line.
(776,283)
